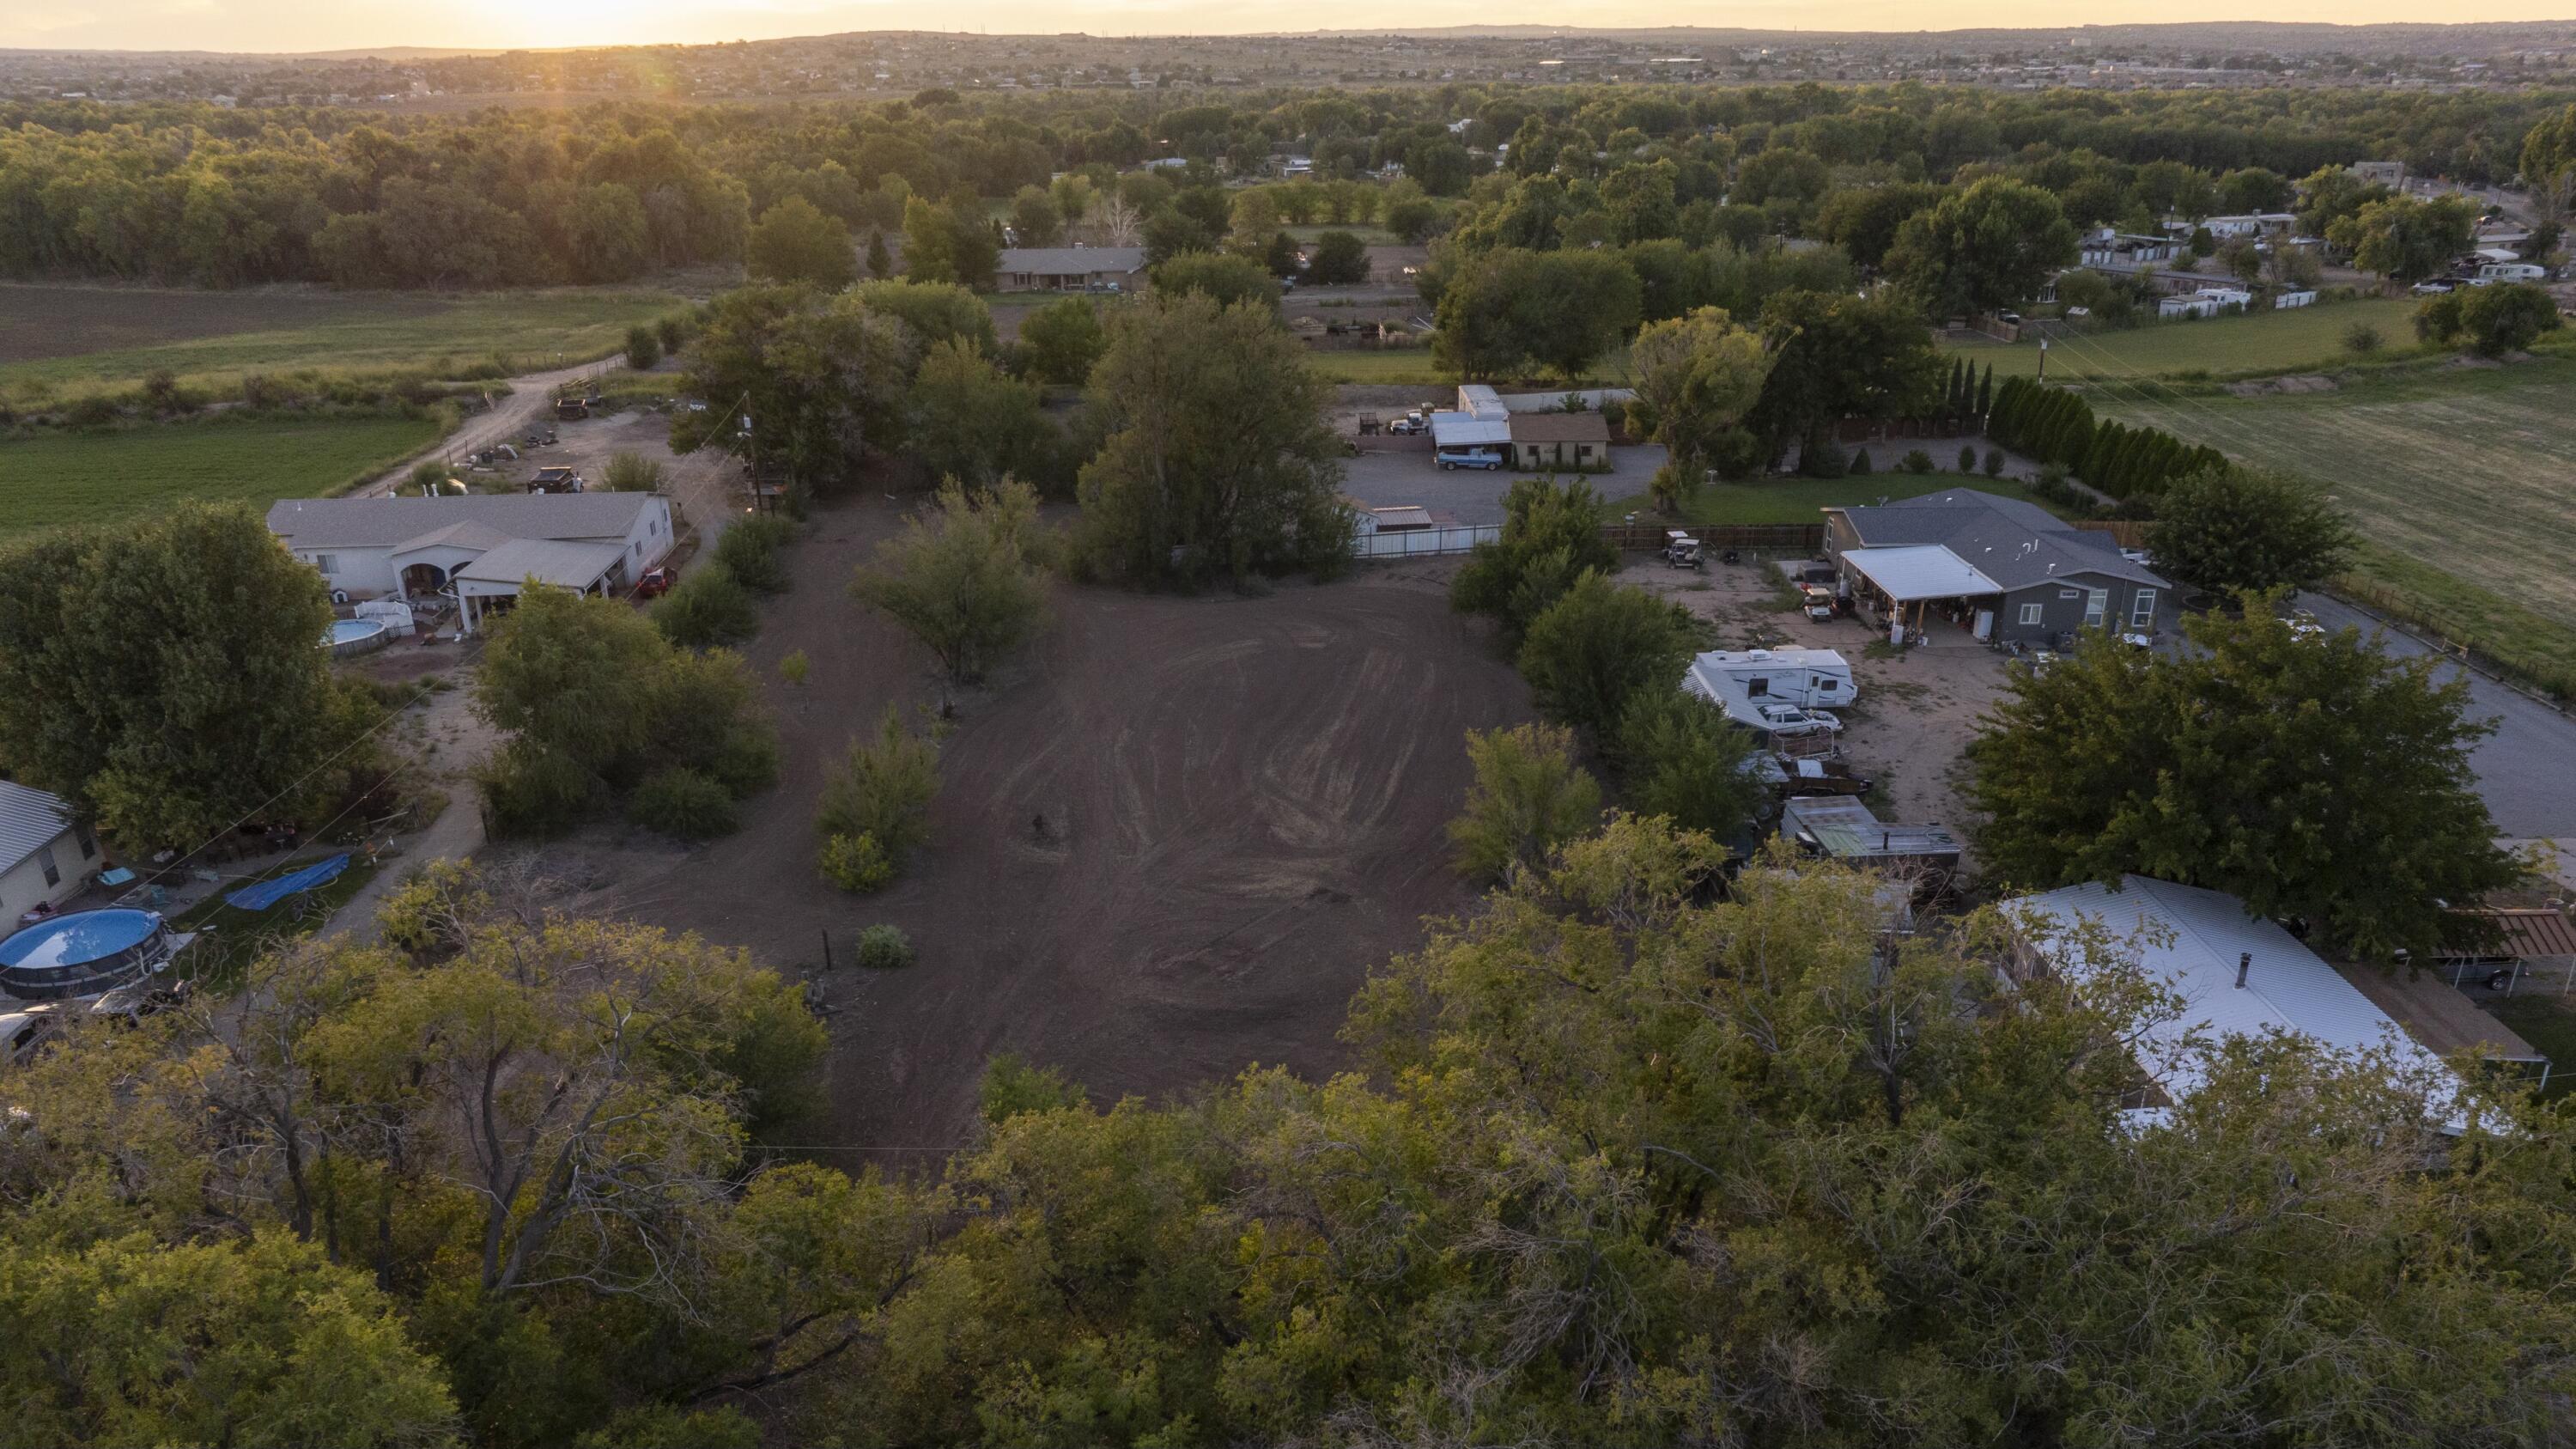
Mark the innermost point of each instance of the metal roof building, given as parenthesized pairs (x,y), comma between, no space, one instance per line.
(1920,571)
(30,820)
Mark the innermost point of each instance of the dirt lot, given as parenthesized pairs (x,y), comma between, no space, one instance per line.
(1244,801)
(1915,713)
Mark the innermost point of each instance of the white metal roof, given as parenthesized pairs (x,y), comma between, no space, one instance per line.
(1459,430)
(321,523)
(29,820)
(1920,571)
(568,565)
(1479,400)
(2202,934)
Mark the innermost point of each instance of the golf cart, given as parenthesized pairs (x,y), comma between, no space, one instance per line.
(1681,551)
(1817,602)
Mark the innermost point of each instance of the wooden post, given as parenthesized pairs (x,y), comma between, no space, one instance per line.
(827,950)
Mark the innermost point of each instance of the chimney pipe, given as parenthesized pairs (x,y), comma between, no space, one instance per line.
(2244,962)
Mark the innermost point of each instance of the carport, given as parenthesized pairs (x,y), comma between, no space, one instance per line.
(1919,576)
(485,586)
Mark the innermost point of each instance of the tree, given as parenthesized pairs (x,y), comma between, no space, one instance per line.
(2403,239)
(1063,340)
(1983,249)
(1281,257)
(1551,536)
(1700,373)
(794,242)
(1598,645)
(1864,220)
(1682,759)
(1510,310)
(632,472)
(1837,357)
(816,376)
(1528,799)
(2506,317)
(880,261)
(879,797)
(972,425)
(1340,258)
(1034,216)
(2316,778)
(1227,278)
(2246,530)
(709,609)
(1217,462)
(643,347)
(964,579)
(932,313)
(162,718)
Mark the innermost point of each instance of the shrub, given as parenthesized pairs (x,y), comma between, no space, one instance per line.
(531,790)
(795,667)
(684,803)
(709,608)
(1861,466)
(643,347)
(884,948)
(632,473)
(1682,758)
(671,332)
(1599,645)
(1967,458)
(882,790)
(1917,461)
(856,863)
(2362,339)
(1529,797)
(1994,463)
(429,475)
(750,549)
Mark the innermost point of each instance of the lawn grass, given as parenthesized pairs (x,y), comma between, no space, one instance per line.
(2301,339)
(231,938)
(357,334)
(2549,1024)
(2455,476)
(54,478)
(1797,500)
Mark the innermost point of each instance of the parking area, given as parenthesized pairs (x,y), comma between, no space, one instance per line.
(1393,471)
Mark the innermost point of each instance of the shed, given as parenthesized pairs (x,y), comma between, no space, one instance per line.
(1842,828)
(1559,440)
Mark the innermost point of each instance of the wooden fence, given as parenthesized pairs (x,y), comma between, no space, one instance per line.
(2126,532)
(1805,538)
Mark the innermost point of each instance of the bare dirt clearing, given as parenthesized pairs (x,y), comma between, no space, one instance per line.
(1244,801)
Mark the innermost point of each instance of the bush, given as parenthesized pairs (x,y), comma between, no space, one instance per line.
(708,609)
(1861,466)
(1682,758)
(1528,798)
(643,347)
(884,948)
(749,548)
(1917,461)
(2362,339)
(856,863)
(671,332)
(430,475)
(795,667)
(1994,463)
(632,473)
(882,791)
(1967,458)
(1551,535)
(531,790)
(684,803)
(1598,645)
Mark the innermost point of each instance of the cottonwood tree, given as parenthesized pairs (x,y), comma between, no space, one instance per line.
(2318,778)
(1700,373)
(164,677)
(818,377)
(1527,800)
(1217,462)
(794,242)
(973,425)
(2404,239)
(1840,357)
(967,577)
(1551,536)
(1987,247)
(1601,643)
(1062,340)
(2239,529)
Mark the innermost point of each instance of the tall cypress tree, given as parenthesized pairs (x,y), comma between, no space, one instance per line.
(1986,391)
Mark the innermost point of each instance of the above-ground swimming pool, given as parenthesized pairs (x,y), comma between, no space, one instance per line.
(356,636)
(82,954)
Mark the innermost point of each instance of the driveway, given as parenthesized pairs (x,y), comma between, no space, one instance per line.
(1392,474)
(2527,768)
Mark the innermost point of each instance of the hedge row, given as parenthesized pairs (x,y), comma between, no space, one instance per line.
(2055,426)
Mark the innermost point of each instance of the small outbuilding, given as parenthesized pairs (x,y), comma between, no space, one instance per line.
(1560,440)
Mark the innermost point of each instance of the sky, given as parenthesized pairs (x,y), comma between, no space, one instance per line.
(310,25)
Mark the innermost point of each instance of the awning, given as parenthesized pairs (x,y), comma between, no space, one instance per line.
(564,564)
(1459,430)
(1919,571)
(269,892)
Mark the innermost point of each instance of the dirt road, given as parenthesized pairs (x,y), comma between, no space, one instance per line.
(529,401)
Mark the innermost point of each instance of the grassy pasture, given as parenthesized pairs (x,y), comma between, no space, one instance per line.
(56,479)
(2302,339)
(2456,476)
(66,341)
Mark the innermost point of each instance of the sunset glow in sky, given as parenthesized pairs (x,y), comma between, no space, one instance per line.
(309,25)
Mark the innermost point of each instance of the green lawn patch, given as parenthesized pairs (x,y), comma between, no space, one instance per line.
(2301,339)
(2549,1024)
(231,938)
(53,479)
(1798,500)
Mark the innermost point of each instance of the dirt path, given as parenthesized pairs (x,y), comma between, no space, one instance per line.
(526,400)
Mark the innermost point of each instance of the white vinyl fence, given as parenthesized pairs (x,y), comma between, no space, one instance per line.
(1395,543)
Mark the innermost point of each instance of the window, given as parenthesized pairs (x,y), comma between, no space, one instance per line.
(327,563)
(1757,685)
(1822,684)
(2030,613)
(2097,607)
(1582,450)
(45,860)
(2070,593)
(2142,609)
(88,842)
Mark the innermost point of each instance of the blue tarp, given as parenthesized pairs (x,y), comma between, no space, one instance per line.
(269,892)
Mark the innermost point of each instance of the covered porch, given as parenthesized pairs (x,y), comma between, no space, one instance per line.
(1906,590)
(490,584)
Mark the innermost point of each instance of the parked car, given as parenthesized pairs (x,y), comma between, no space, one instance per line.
(656,582)
(1790,719)
(2435,287)
(1416,421)
(1471,458)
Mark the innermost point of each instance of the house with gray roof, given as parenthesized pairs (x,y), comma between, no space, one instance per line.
(1069,269)
(477,549)
(1991,567)
(45,855)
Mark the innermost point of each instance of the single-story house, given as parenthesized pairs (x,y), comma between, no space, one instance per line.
(2237,975)
(2207,302)
(478,548)
(1997,568)
(1560,440)
(45,855)
(1069,269)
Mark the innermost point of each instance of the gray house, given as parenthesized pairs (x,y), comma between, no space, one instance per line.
(1992,568)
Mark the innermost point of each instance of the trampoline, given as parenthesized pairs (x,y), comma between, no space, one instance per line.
(82,954)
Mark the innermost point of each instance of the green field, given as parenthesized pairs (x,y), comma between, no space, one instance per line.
(2301,339)
(2456,476)
(1796,500)
(208,340)
(60,478)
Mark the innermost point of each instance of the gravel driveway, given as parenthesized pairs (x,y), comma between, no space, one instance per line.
(1397,471)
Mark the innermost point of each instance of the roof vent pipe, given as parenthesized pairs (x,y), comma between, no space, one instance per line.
(2244,963)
